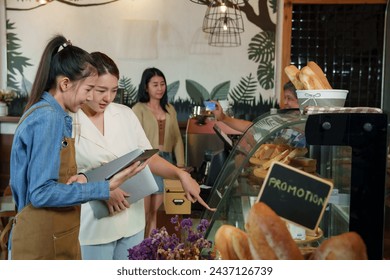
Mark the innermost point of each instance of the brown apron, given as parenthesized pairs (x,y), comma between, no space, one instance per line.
(49,233)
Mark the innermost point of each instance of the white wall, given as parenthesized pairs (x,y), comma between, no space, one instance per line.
(3,47)
(179,38)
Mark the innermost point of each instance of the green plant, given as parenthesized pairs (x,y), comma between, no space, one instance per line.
(130,91)
(245,90)
(15,61)
(262,51)
(198,93)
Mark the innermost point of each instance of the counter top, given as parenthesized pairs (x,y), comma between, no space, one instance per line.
(8,124)
(9,119)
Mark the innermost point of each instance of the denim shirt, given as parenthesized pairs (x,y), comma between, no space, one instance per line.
(35,160)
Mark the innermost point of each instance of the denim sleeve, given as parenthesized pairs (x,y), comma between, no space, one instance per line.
(40,140)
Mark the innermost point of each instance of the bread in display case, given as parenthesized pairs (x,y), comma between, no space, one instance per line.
(347,148)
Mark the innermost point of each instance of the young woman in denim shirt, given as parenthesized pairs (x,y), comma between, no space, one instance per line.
(43,178)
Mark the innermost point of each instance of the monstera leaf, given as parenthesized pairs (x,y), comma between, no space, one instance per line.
(221,91)
(265,75)
(273,5)
(172,90)
(262,50)
(196,92)
(262,47)
(245,91)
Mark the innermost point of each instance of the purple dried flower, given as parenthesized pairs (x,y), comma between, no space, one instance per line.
(162,246)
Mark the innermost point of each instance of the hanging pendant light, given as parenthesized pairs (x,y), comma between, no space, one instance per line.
(225,33)
(220,9)
(201,2)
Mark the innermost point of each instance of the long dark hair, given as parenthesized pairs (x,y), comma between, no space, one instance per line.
(143,95)
(71,61)
(104,64)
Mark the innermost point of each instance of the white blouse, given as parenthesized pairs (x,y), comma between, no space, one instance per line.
(122,134)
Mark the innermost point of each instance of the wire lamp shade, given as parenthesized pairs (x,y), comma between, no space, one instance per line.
(225,34)
(214,13)
(207,2)
(202,2)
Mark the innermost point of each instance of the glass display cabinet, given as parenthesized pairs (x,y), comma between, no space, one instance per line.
(350,149)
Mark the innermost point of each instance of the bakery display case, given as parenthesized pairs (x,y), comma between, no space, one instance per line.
(348,148)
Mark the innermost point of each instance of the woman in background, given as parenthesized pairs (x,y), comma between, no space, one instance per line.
(46,193)
(104,131)
(158,118)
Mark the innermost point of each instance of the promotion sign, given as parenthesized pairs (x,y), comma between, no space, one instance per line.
(295,195)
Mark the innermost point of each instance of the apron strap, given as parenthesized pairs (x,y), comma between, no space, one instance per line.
(30,111)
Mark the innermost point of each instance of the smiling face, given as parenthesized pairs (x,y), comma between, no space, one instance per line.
(156,87)
(104,92)
(76,93)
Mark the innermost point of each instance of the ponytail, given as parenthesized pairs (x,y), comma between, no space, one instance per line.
(60,57)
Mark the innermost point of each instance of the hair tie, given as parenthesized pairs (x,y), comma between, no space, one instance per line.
(64,45)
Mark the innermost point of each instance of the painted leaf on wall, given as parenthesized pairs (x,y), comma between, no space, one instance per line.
(273,5)
(196,92)
(131,91)
(221,91)
(265,75)
(245,91)
(15,61)
(262,47)
(262,50)
(172,89)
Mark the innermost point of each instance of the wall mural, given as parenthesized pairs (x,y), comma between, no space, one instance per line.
(242,96)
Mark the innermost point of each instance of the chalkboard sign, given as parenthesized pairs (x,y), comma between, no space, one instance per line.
(294,195)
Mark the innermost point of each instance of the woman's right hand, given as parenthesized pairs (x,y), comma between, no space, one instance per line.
(218,112)
(117,201)
(127,173)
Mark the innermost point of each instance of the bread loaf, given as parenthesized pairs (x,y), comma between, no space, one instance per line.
(292,73)
(232,243)
(346,246)
(320,74)
(269,238)
(309,79)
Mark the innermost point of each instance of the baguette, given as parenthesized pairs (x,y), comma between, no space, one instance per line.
(309,79)
(269,238)
(292,73)
(320,74)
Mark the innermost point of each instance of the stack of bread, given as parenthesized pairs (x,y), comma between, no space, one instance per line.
(266,237)
(310,77)
(267,154)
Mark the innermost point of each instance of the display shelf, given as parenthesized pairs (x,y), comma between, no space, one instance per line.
(349,149)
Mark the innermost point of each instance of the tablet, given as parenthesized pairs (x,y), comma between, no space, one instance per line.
(141,155)
(138,186)
(108,170)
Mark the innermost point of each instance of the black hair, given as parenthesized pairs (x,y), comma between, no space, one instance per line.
(104,64)
(143,95)
(69,61)
(290,86)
